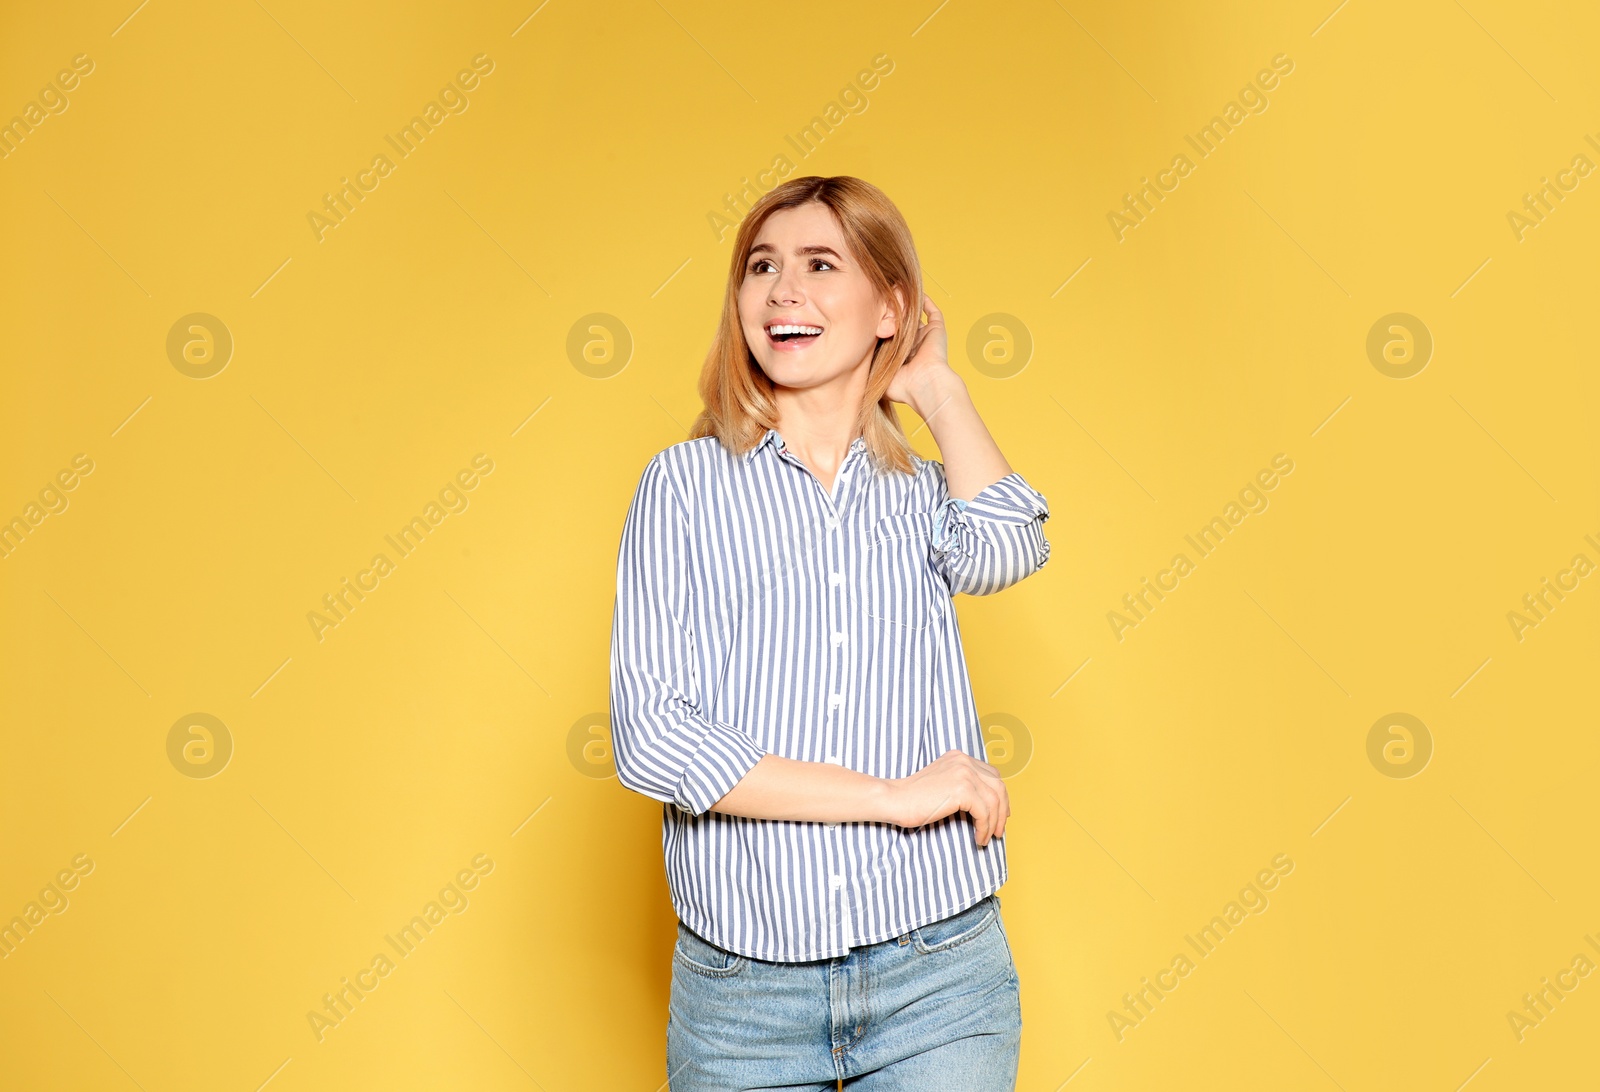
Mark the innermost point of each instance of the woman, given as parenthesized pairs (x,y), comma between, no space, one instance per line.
(787,676)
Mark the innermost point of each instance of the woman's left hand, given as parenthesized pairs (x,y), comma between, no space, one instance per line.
(929,365)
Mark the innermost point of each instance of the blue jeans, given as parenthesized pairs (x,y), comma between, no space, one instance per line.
(939,1007)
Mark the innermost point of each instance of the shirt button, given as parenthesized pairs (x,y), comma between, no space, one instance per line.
(838,881)
(838,700)
(838,638)
(836,579)
(833,524)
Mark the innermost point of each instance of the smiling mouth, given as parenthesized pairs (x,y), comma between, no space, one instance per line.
(792,335)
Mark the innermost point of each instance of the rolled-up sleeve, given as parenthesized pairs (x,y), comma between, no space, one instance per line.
(986,544)
(665,747)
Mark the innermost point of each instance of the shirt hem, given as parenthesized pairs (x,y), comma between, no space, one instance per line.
(750,953)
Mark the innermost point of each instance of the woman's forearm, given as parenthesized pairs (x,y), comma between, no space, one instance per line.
(972,460)
(785,788)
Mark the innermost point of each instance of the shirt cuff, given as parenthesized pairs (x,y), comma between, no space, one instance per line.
(941,520)
(725,755)
(1009,500)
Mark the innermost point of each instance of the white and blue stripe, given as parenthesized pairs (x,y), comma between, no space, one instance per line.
(756,614)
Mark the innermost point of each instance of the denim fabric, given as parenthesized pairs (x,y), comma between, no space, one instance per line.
(937,1007)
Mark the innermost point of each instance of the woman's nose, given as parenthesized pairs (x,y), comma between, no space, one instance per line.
(784,291)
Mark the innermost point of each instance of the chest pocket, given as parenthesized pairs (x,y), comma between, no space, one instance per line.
(899,575)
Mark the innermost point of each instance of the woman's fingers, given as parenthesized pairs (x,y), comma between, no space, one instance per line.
(1002,803)
(989,814)
(983,824)
(993,784)
(979,806)
(967,784)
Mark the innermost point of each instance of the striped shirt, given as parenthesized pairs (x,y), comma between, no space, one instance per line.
(758,614)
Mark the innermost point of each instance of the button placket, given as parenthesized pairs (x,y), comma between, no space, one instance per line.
(838,651)
(839,625)
(838,658)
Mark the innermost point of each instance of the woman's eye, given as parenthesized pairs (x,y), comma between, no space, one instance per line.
(758,266)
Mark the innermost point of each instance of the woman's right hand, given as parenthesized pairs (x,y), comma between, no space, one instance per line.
(955,781)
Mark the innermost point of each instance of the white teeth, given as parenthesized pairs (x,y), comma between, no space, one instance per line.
(781,329)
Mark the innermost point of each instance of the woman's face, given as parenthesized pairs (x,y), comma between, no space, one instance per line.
(800,273)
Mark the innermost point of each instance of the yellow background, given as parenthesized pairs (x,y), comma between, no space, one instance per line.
(438,720)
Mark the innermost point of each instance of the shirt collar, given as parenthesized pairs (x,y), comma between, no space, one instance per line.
(771,437)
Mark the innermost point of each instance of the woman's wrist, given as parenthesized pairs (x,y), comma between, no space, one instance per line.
(883,801)
(943,387)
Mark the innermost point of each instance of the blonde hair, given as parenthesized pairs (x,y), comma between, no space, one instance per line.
(739,405)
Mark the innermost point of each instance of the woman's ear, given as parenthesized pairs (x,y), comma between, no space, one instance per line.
(889,324)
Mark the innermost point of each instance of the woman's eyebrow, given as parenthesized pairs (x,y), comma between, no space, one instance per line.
(815,249)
